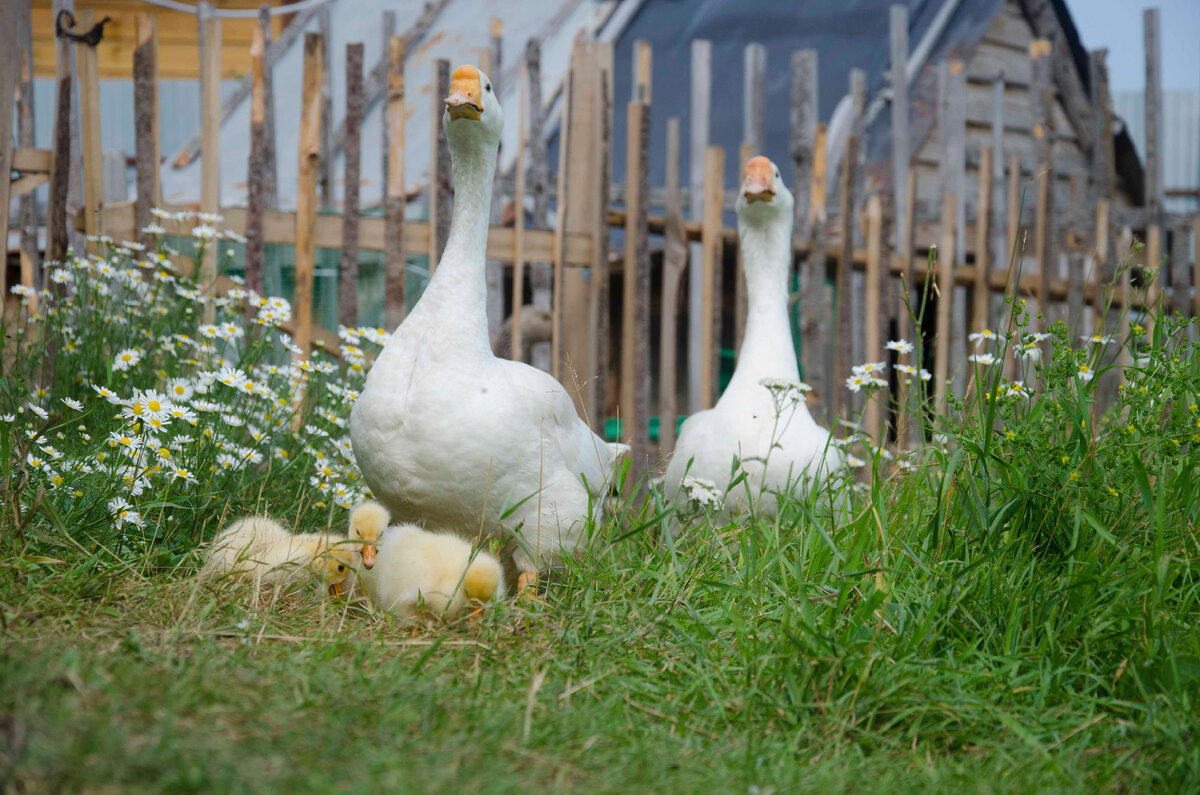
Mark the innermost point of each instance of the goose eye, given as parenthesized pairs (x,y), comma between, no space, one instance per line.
(341,568)
(488,88)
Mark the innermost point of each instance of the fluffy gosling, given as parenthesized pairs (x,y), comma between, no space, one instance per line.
(261,550)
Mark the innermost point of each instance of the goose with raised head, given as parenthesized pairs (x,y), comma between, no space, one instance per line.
(450,437)
(761,419)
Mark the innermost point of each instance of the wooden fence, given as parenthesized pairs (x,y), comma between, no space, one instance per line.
(872,244)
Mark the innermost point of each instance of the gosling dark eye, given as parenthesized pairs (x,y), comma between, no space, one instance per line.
(341,567)
(488,87)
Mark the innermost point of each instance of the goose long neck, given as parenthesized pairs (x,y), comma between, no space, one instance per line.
(456,296)
(767,345)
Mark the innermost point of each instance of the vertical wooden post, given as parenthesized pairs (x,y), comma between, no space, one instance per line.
(145,120)
(1196,265)
(635,309)
(348,272)
(803,137)
(873,344)
(1044,242)
(257,166)
(1000,243)
(898,37)
(25,137)
(539,273)
(440,202)
(395,258)
(806,150)
(10,71)
(701,99)
(518,271)
(643,59)
(905,330)
(945,284)
(981,299)
(953,120)
(270,195)
(1154,171)
(325,162)
(710,241)
(307,174)
(60,149)
(210,133)
(674,264)
(843,322)
(1013,212)
(89,120)
(754,101)
(598,291)
(493,268)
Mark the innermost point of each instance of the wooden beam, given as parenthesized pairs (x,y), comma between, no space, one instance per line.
(395,257)
(843,357)
(873,344)
(493,273)
(60,157)
(10,79)
(643,59)
(145,119)
(306,187)
(27,207)
(945,300)
(325,162)
(901,145)
(710,314)
(210,133)
(1153,106)
(256,166)
(1000,243)
(981,299)
(270,170)
(803,137)
(635,308)
(1045,240)
(440,198)
(754,97)
(518,277)
(90,128)
(348,272)
(700,123)
(674,264)
(1196,265)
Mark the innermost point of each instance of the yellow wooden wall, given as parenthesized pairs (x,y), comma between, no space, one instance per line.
(178,54)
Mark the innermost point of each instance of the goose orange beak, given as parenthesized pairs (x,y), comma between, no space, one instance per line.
(759,183)
(466,95)
(336,588)
(368,555)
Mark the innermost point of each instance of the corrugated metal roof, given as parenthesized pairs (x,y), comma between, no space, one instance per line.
(1180,138)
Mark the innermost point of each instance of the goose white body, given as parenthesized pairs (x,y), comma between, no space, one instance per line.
(450,437)
(782,448)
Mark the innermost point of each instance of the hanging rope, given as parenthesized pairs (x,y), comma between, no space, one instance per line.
(239,13)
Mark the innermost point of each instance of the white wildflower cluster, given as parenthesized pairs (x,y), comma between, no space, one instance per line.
(703,493)
(152,407)
(1029,346)
(867,376)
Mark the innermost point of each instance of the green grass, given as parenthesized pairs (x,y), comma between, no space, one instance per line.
(1013,609)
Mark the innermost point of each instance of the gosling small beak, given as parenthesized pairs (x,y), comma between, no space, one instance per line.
(336,588)
(476,614)
(368,555)
(759,184)
(466,95)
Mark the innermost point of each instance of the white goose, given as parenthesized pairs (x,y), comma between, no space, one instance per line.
(447,435)
(744,422)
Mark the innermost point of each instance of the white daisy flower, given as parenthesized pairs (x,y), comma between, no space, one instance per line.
(1086,373)
(900,346)
(127,358)
(73,404)
(1098,339)
(702,492)
(38,410)
(982,358)
(980,336)
(123,513)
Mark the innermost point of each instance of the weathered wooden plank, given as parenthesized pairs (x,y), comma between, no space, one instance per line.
(1045,238)
(395,257)
(348,270)
(518,256)
(27,207)
(1153,105)
(257,164)
(539,272)
(90,128)
(874,283)
(674,265)
(598,292)
(754,97)
(325,161)
(803,137)
(635,309)
(308,155)
(643,59)
(210,132)
(1196,266)
(145,119)
(699,111)
(981,298)
(817,332)
(901,142)
(493,273)
(60,150)
(270,170)
(710,315)
(843,357)
(999,242)
(945,299)
(440,196)
(10,79)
